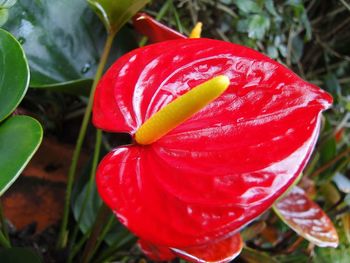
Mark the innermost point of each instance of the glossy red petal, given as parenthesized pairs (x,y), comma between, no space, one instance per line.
(306,218)
(155,31)
(221,251)
(146,79)
(154,252)
(224,166)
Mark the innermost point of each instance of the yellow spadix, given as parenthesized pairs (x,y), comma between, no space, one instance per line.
(181,109)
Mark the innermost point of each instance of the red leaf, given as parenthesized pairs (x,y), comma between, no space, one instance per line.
(225,165)
(155,31)
(306,218)
(219,252)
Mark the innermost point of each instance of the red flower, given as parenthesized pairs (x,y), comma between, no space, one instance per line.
(201,183)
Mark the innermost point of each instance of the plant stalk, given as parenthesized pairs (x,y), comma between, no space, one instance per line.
(331,162)
(3,224)
(96,230)
(90,185)
(102,236)
(4,242)
(62,238)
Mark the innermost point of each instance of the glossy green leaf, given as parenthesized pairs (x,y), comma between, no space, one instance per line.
(115,14)
(306,218)
(19,255)
(14,74)
(7,3)
(63,41)
(20,137)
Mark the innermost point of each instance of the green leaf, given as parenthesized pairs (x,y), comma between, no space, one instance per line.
(118,234)
(327,255)
(7,3)
(19,255)
(270,6)
(272,51)
(328,150)
(14,74)
(248,6)
(20,137)
(254,256)
(258,26)
(4,14)
(63,41)
(332,83)
(114,14)
(93,204)
(330,194)
(297,49)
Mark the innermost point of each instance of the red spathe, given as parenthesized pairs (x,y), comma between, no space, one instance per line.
(221,168)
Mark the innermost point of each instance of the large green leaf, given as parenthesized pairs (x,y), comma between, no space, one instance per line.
(14,74)
(20,137)
(18,255)
(63,41)
(115,13)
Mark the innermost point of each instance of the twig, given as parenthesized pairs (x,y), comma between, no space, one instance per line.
(331,162)
(345,4)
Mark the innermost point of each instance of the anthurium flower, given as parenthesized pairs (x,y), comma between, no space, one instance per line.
(204,180)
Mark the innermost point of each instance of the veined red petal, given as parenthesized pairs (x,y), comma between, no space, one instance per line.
(154,252)
(155,31)
(221,251)
(221,168)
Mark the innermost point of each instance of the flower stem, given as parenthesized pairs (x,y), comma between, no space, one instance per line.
(331,162)
(4,242)
(100,221)
(62,238)
(95,160)
(102,236)
(3,224)
(4,238)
